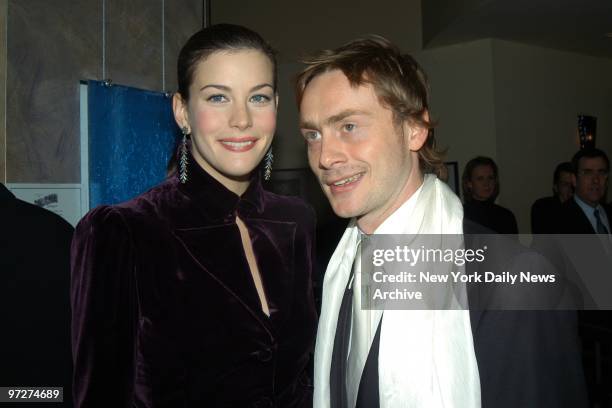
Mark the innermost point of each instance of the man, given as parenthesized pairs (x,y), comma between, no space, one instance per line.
(34,296)
(545,216)
(587,213)
(364,115)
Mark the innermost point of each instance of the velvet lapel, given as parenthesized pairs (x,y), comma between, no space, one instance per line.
(217,251)
(273,243)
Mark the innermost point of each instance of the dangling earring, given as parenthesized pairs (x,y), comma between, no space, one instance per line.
(268,160)
(183,159)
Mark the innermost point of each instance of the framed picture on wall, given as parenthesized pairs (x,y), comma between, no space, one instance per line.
(453,177)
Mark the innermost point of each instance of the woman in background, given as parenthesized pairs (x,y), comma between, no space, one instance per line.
(480,189)
(198,292)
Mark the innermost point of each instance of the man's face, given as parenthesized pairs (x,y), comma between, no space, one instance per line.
(591,180)
(366,164)
(564,186)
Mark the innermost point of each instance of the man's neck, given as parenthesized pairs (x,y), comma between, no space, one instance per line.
(584,202)
(369,223)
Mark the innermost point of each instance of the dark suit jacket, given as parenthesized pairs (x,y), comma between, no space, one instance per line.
(545,215)
(574,221)
(527,359)
(595,326)
(34,296)
(165,311)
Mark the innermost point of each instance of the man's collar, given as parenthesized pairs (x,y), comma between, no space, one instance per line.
(585,206)
(402,215)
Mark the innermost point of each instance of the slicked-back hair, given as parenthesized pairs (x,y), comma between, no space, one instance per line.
(592,153)
(398,81)
(218,37)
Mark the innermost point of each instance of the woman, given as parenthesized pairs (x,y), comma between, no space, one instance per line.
(480,189)
(198,292)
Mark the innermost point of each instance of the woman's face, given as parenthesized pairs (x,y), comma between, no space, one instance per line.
(231,114)
(482,183)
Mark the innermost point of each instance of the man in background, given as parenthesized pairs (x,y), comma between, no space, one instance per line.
(587,212)
(545,211)
(34,296)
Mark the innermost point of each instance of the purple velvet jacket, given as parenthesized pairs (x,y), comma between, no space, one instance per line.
(165,311)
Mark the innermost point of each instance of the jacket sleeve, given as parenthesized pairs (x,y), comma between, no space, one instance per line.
(104,310)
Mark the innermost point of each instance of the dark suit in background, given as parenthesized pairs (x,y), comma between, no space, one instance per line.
(545,215)
(574,221)
(526,358)
(490,215)
(34,296)
(595,327)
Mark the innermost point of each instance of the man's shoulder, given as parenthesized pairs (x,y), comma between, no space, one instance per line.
(43,219)
(545,203)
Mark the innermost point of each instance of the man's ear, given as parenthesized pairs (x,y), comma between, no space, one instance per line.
(181,114)
(417,134)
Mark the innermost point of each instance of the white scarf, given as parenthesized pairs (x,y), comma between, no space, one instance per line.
(426,357)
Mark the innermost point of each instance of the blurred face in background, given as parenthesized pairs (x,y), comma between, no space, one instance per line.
(482,183)
(591,180)
(564,187)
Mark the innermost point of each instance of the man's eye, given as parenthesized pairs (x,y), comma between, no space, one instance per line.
(349,127)
(217,98)
(311,135)
(260,98)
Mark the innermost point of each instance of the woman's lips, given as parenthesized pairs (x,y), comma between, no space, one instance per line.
(238,144)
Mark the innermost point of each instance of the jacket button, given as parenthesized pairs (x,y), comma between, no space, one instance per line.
(264,355)
(263,402)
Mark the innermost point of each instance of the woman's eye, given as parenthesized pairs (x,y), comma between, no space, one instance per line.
(217,98)
(260,98)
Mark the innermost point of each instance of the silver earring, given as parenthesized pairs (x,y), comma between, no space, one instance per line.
(268,160)
(183,159)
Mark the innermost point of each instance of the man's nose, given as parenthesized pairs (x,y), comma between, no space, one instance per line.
(241,117)
(332,152)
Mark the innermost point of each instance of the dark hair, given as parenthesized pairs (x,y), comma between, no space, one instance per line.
(398,80)
(565,167)
(467,176)
(589,154)
(218,37)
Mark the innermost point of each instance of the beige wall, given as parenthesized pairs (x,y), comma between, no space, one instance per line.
(462,99)
(517,104)
(54,44)
(538,94)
